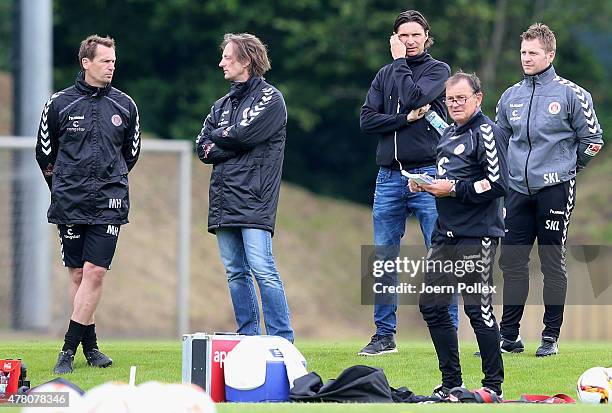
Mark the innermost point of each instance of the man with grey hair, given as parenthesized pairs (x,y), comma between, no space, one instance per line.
(552,134)
(243,137)
(469,191)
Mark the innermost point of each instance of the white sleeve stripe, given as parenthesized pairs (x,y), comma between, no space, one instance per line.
(569,206)
(490,152)
(589,114)
(259,107)
(136,136)
(43,134)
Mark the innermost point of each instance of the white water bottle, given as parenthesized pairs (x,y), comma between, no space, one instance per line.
(436,121)
(3,384)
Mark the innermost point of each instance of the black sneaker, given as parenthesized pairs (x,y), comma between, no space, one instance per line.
(508,346)
(379,345)
(65,361)
(548,347)
(441,392)
(515,346)
(96,358)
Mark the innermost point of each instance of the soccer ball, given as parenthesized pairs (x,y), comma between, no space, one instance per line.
(595,385)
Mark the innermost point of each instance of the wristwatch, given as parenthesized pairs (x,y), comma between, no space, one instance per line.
(452,192)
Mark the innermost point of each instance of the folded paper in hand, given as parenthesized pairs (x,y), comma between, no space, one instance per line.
(421,179)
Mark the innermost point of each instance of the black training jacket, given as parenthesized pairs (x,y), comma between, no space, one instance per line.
(397,89)
(243,137)
(474,156)
(88,141)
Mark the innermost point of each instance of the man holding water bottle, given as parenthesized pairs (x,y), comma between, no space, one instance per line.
(406,142)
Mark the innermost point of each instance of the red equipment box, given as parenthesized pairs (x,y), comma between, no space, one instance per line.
(10,371)
(203,358)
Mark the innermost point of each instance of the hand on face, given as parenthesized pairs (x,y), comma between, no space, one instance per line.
(413,36)
(398,49)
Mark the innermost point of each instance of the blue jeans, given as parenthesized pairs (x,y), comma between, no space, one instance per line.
(246,252)
(393,204)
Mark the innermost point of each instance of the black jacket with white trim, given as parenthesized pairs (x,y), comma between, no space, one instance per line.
(88,141)
(398,88)
(474,157)
(243,137)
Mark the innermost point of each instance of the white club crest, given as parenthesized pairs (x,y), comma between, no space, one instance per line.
(554,108)
(116,120)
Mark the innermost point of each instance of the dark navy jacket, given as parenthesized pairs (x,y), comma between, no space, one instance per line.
(474,156)
(397,89)
(243,137)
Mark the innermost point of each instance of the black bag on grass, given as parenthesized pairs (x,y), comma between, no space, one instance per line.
(357,384)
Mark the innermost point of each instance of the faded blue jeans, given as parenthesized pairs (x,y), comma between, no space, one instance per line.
(393,204)
(247,253)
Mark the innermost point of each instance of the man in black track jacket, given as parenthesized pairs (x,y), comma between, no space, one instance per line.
(412,81)
(88,141)
(243,137)
(472,181)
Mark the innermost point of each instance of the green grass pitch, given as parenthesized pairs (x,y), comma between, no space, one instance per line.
(415,366)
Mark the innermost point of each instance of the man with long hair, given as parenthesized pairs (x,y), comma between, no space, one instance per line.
(243,137)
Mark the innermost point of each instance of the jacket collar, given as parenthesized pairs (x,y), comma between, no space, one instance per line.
(418,60)
(542,78)
(87,89)
(475,119)
(240,89)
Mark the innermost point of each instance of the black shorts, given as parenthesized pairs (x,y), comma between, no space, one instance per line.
(93,243)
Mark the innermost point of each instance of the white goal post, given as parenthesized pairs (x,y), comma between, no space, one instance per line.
(181,148)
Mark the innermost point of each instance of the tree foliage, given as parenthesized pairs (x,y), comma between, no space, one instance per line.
(6,34)
(324,56)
